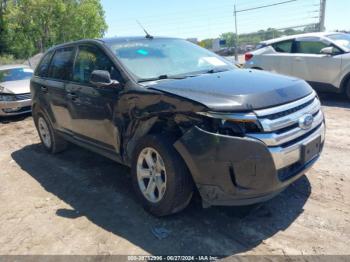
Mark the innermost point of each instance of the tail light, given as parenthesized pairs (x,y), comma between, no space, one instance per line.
(248,56)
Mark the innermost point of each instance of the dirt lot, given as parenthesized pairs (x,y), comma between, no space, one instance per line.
(80,203)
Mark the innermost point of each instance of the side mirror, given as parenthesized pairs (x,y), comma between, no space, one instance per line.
(102,78)
(327,50)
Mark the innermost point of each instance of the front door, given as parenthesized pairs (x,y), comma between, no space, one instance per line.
(91,108)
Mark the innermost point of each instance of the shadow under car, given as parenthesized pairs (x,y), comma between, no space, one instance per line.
(101,190)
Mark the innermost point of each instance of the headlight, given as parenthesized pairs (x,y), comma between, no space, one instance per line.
(230,124)
(8,98)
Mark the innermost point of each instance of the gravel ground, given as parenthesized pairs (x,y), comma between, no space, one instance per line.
(80,203)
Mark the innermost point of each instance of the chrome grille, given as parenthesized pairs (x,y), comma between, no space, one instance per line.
(25,96)
(289,111)
(282,133)
(290,119)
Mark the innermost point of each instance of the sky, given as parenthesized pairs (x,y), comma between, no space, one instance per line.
(208,19)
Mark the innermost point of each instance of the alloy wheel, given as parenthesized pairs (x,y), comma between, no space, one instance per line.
(44,132)
(151,175)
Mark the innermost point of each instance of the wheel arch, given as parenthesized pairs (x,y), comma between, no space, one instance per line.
(35,107)
(163,125)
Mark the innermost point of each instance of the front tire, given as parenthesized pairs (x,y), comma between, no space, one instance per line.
(160,177)
(51,141)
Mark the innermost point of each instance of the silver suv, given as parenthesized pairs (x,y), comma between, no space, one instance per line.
(322,59)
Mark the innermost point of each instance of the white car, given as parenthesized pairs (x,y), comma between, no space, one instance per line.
(322,59)
(15,97)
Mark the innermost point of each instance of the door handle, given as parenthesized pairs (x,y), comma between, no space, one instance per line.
(44,89)
(299,59)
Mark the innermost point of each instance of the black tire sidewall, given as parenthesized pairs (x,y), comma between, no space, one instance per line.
(347,90)
(175,172)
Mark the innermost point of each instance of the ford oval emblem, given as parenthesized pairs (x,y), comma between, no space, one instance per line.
(305,122)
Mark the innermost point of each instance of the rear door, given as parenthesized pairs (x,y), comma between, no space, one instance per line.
(309,64)
(279,59)
(60,72)
(91,108)
(38,84)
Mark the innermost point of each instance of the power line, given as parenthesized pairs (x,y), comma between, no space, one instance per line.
(188,23)
(270,5)
(265,6)
(247,5)
(251,9)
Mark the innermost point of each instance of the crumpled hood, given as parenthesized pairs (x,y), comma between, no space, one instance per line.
(16,87)
(237,90)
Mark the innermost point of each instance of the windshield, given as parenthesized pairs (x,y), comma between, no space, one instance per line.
(15,74)
(166,58)
(342,40)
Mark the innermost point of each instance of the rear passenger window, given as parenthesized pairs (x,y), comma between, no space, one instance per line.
(283,47)
(91,58)
(43,67)
(62,64)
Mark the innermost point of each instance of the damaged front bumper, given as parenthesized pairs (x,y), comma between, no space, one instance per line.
(243,170)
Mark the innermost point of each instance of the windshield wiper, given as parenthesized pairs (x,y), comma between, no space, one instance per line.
(161,77)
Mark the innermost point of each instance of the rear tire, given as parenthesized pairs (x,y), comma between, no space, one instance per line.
(347,89)
(51,141)
(160,177)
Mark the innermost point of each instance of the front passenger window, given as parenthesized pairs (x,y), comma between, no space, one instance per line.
(310,47)
(91,58)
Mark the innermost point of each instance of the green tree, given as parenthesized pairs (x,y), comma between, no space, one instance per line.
(206,43)
(2,26)
(34,25)
(229,37)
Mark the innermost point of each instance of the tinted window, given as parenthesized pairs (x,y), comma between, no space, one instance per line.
(283,47)
(91,58)
(43,67)
(15,74)
(62,64)
(310,47)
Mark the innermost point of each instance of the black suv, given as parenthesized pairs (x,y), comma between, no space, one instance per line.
(181,117)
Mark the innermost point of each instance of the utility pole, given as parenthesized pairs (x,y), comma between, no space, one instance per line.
(236,34)
(322,15)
